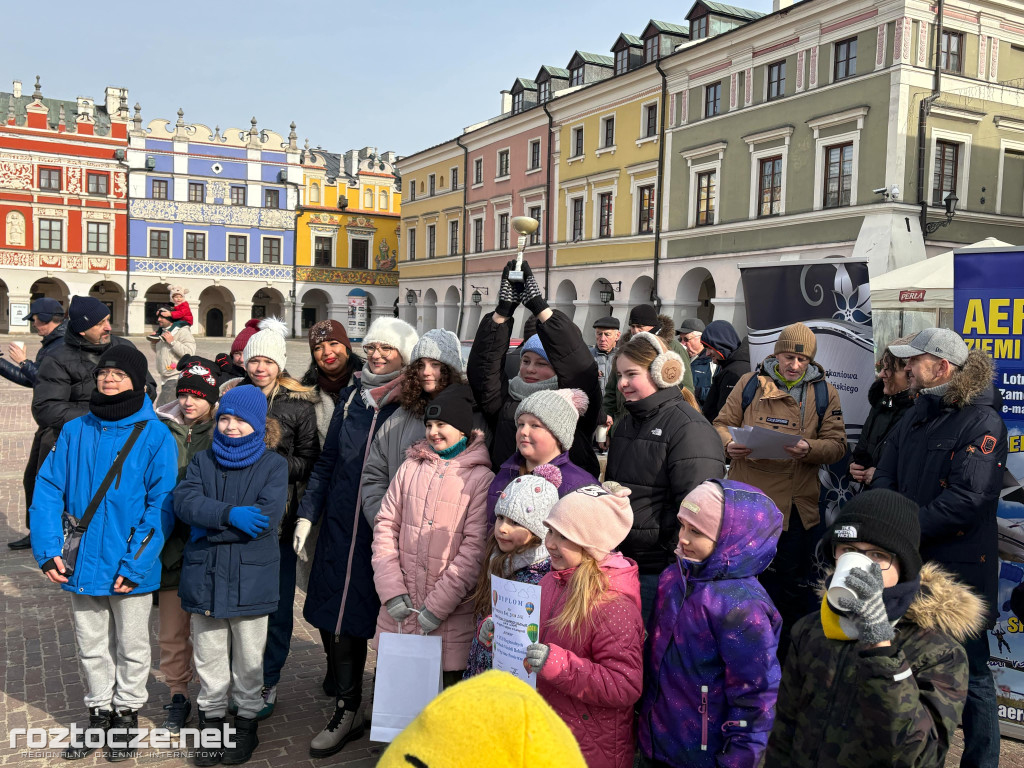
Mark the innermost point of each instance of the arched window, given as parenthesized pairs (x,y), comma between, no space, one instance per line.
(368,199)
(383,200)
(314,193)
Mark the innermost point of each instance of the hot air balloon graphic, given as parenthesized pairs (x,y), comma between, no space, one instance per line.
(529,608)
(532,631)
(527,667)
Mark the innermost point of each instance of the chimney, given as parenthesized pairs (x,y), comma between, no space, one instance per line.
(112,98)
(506,102)
(16,89)
(778,5)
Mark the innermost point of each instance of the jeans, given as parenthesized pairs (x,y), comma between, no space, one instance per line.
(279,628)
(981,711)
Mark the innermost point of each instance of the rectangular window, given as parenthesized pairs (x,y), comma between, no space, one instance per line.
(271,198)
(535,154)
(622,61)
(951,57)
(238,195)
(576,76)
(645,221)
(431,241)
(838,175)
(478,171)
(412,190)
(699,27)
(51,234)
(503,231)
(432,184)
(776,80)
(271,250)
(651,49)
(159,244)
(846,59)
(455,179)
(712,99)
(947,163)
(577,219)
(577,142)
(769,186)
(534,214)
(544,91)
(237,246)
(478,235)
(49,178)
(705,198)
(412,244)
(609,132)
(195,192)
(453,238)
(195,245)
(517,103)
(322,252)
(360,254)
(97,237)
(503,167)
(159,189)
(97,183)
(605,223)
(650,120)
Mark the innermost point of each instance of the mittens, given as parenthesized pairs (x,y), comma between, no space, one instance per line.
(399,608)
(867,610)
(509,294)
(532,296)
(485,635)
(536,655)
(428,621)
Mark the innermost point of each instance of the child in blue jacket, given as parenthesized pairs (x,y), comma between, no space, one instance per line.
(233,496)
(711,675)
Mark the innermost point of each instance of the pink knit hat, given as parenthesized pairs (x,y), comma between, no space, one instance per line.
(702,508)
(595,517)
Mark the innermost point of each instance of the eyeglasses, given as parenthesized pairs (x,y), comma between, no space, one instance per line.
(884,559)
(378,349)
(111,373)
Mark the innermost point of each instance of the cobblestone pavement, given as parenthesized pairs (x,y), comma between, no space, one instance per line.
(40,681)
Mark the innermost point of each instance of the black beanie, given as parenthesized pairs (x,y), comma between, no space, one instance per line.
(883,518)
(126,358)
(453,405)
(644,315)
(199,377)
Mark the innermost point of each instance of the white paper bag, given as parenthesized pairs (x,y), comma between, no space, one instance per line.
(408,678)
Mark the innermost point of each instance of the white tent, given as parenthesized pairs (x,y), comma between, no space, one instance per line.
(925,285)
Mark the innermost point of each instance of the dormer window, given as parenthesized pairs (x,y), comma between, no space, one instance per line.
(651,49)
(517,103)
(699,27)
(544,91)
(622,61)
(576,76)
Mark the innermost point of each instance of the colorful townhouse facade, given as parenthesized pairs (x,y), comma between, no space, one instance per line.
(732,137)
(63,201)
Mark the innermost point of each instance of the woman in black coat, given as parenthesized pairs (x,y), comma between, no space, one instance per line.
(557,358)
(661,450)
(890,399)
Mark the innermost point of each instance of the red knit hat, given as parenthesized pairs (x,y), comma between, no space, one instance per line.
(250,329)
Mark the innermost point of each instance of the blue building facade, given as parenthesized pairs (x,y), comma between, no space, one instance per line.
(214,213)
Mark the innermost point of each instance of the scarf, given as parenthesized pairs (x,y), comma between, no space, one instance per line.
(332,386)
(939,390)
(115,407)
(453,451)
(519,390)
(380,389)
(237,452)
(524,559)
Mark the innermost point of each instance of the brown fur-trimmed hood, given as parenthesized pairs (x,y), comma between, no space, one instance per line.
(272,435)
(971,382)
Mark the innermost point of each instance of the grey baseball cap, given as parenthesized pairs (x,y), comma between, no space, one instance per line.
(940,342)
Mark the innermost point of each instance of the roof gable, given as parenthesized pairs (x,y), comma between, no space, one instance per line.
(702,7)
(595,59)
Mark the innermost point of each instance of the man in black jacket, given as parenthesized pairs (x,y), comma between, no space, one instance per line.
(722,344)
(47,318)
(948,454)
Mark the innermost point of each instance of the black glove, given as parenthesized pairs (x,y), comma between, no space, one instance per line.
(510,294)
(532,296)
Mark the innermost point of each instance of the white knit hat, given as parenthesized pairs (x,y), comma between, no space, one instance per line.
(558,410)
(441,345)
(527,500)
(395,333)
(269,342)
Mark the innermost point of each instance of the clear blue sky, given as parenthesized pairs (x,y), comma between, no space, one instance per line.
(398,75)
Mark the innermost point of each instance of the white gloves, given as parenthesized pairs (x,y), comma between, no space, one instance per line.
(302,528)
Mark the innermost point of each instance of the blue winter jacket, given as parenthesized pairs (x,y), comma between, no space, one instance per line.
(227,572)
(711,675)
(127,532)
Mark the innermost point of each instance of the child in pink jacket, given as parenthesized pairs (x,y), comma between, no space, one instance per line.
(589,658)
(430,533)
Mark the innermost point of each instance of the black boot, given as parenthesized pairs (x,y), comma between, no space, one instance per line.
(208,757)
(245,741)
(98,718)
(128,721)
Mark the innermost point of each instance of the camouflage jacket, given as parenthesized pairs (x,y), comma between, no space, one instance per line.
(843,704)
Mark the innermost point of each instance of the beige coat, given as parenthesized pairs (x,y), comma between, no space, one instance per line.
(789,482)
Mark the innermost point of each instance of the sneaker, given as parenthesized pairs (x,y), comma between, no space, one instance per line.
(178,713)
(155,336)
(23,543)
(98,718)
(269,695)
(344,726)
(128,721)
(245,742)
(209,757)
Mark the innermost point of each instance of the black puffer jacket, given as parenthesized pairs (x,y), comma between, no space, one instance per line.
(661,449)
(730,370)
(27,373)
(65,382)
(886,411)
(574,366)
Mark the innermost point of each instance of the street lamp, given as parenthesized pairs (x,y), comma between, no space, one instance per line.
(475,296)
(608,290)
(133,293)
(950,202)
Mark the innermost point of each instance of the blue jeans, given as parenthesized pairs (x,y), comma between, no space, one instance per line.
(981,711)
(279,627)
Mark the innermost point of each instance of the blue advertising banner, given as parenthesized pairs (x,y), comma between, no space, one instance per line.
(988,307)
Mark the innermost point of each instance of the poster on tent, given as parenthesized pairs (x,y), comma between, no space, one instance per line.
(833,298)
(988,288)
(356,324)
(515,611)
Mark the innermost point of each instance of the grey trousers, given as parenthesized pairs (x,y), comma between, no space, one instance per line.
(112,633)
(228,654)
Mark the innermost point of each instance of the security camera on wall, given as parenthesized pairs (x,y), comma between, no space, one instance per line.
(881,191)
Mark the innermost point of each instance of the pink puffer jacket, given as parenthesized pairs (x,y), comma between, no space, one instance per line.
(429,539)
(593,682)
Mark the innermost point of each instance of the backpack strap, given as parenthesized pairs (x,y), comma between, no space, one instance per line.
(114,471)
(749,390)
(820,400)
